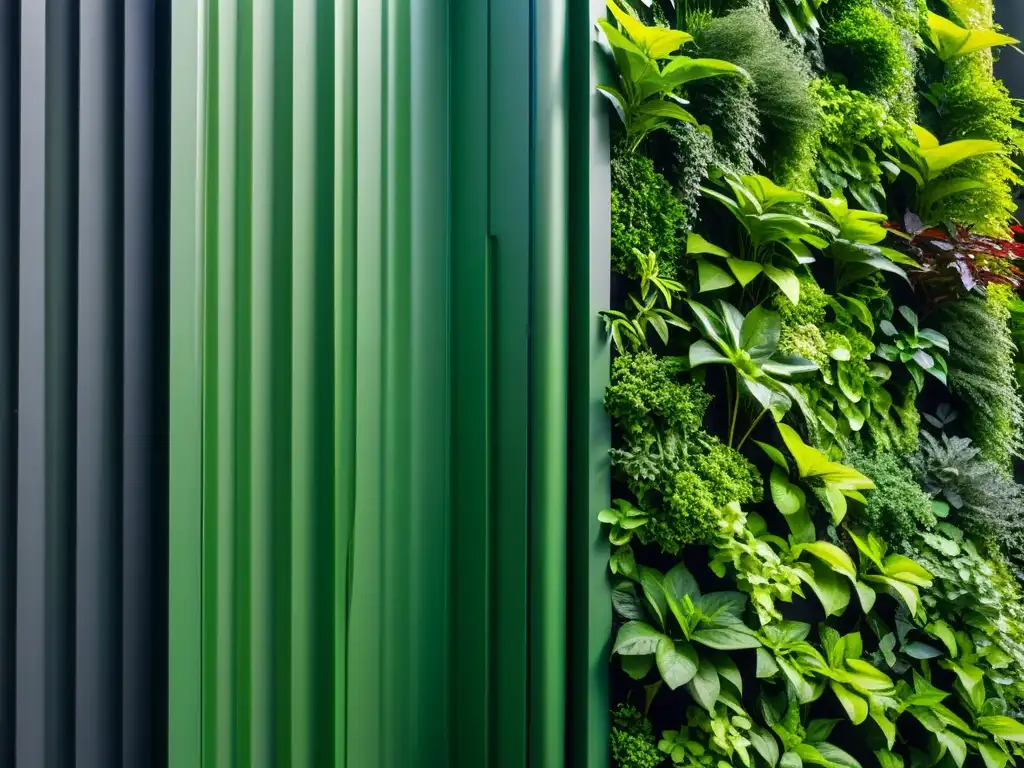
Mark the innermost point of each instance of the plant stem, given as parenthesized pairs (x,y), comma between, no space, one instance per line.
(735,410)
(752,426)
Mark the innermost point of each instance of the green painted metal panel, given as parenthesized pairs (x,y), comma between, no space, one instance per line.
(374,321)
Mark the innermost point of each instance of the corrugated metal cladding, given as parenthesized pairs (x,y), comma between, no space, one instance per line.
(80,257)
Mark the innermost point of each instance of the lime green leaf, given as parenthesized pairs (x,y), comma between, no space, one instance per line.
(745,271)
(695,244)
(1003,727)
(712,277)
(856,707)
(785,279)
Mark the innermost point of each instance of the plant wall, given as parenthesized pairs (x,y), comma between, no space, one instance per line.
(816,537)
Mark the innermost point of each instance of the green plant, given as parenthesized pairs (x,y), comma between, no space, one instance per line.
(748,345)
(833,483)
(893,573)
(899,509)
(804,745)
(632,740)
(631,331)
(692,154)
(649,74)
(624,520)
(928,162)
(855,249)
(776,233)
(779,74)
(646,217)
(981,374)
(672,617)
(680,475)
(866,47)
(856,130)
(981,498)
(972,104)
(919,349)
(682,748)
(951,41)
(728,108)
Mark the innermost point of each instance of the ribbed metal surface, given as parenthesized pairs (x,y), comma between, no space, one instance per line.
(370,384)
(309,412)
(78,396)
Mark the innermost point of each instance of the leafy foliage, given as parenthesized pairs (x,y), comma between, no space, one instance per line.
(864,45)
(780,79)
(632,741)
(983,376)
(646,216)
(899,508)
(727,106)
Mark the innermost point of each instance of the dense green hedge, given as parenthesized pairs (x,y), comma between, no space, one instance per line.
(817,540)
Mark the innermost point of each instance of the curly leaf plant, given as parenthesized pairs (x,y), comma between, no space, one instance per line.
(649,74)
(777,235)
(749,346)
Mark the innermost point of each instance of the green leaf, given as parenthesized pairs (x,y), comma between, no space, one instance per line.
(705,685)
(942,158)
(726,638)
(919,650)
(791,760)
(684,70)
(650,581)
(627,603)
(1005,728)
(637,667)
(993,756)
(637,638)
(785,279)
(712,277)
(677,662)
(765,745)
(721,607)
(856,708)
(832,591)
(832,556)
(728,670)
(680,582)
(836,757)
(745,271)
(775,455)
(952,41)
(695,244)
(907,592)
(760,332)
(957,747)
(866,595)
(905,569)
(702,353)
(766,666)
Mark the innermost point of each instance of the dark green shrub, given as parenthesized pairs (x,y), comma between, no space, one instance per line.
(897,510)
(646,215)
(981,373)
(788,113)
(727,106)
(632,740)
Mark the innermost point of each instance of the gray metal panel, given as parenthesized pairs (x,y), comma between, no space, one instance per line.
(9,87)
(80,676)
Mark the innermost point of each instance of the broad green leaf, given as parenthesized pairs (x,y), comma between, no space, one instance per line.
(684,70)
(866,677)
(627,603)
(856,708)
(925,138)
(907,592)
(942,158)
(726,638)
(993,756)
(702,353)
(770,193)
(833,556)
(788,365)
(677,662)
(804,690)
(733,320)
(905,569)
(766,666)
(760,332)
(637,667)
(866,595)
(1003,727)
(637,638)
(774,454)
(712,277)
(942,631)
(951,40)
(785,279)
(681,582)
(790,760)
(710,324)
(721,607)
(745,271)
(957,747)
(705,685)
(971,678)
(650,581)
(812,463)
(831,590)
(728,670)
(887,759)
(919,650)
(662,108)
(695,244)
(835,756)
(765,745)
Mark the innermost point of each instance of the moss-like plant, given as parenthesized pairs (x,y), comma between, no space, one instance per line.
(632,739)
(646,216)
(728,107)
(898,510)
(864,45)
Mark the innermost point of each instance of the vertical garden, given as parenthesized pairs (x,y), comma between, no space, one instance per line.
(816,534)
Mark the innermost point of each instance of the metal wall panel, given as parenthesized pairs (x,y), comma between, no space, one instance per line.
(372,388)
(79,404)
(309,467)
